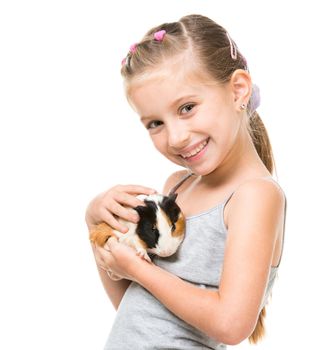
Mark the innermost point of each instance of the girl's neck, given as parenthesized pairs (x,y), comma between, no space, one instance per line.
(242,163)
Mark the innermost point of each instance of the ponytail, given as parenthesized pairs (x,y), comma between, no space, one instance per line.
(261,141)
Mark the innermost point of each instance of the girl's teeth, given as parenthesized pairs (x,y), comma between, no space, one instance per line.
(195,151)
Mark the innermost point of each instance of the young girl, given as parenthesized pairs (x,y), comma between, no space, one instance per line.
(192,89)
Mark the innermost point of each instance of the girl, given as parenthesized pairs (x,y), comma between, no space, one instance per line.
(192,89)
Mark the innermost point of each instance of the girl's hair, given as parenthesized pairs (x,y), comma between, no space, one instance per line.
(209,46)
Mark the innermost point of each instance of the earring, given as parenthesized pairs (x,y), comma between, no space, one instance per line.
(242,106)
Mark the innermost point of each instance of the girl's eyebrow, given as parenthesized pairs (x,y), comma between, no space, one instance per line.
(181,99)
(143,118)
(176,102)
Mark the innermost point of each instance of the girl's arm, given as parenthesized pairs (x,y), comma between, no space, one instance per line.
(115,289)
(229,314)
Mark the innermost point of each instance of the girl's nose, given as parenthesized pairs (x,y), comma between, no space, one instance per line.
(178,138)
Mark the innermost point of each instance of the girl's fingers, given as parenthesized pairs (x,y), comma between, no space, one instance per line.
(104,257)
(99,259)
(124,212)
(108,217)
(116,202)
(128,199)
(111,243)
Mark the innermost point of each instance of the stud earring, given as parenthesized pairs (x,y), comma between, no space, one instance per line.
(242,106)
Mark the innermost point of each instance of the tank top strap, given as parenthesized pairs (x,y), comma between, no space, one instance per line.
(186,177)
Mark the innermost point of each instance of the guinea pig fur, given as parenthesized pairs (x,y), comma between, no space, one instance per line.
(160,230)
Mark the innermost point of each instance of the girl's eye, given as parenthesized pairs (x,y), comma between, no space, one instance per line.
(188,107)
(153,124)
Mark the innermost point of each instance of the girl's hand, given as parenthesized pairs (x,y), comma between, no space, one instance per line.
(113,202)
(117,259)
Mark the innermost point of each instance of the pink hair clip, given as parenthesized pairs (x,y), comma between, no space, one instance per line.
(232,47)
(133,47)
(159,35)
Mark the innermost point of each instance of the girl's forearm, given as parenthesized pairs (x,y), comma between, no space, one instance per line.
(196,306)
(114,289)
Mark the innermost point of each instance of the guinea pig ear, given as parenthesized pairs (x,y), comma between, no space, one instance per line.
(173,196)
(140,209)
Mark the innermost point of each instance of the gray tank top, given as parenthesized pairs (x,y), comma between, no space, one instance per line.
(143,323)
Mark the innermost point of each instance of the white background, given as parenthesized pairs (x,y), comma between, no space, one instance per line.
(67,133)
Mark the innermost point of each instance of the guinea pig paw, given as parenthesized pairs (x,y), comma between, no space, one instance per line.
(143,254)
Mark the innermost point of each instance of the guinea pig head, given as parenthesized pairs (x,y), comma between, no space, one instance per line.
(162,224)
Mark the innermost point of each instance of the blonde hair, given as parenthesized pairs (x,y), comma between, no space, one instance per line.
(208,44)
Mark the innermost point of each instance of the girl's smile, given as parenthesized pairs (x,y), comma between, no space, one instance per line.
(194,153)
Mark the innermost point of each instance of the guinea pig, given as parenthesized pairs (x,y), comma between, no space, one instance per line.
(160,230)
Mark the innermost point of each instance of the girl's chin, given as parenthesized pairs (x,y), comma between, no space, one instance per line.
(198,169)
(201,170)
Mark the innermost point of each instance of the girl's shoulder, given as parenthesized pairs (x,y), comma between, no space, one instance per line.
(255,198)
(260,185)
(259,189)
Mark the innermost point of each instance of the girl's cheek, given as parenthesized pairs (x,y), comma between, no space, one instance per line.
(158,142)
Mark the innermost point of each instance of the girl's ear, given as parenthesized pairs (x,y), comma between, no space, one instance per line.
(241,86)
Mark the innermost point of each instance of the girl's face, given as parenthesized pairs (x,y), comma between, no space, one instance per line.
(193,124)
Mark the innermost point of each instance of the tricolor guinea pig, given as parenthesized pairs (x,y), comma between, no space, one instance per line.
(160,230)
